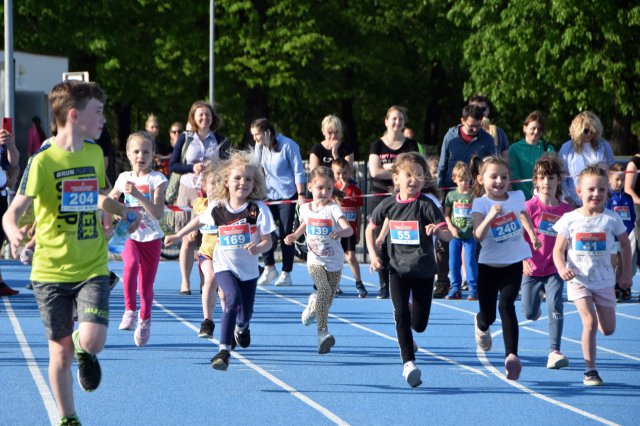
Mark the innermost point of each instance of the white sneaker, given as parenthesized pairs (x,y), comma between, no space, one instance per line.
(128,320)
(143,331)
(309,313)
(284,280)
(483,338)
(411,374)
(556,360)
(325,341)
(268,275)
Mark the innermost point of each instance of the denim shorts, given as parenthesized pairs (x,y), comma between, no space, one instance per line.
(56,302)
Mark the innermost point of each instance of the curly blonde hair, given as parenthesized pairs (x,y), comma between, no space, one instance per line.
(583,121)
(239,160)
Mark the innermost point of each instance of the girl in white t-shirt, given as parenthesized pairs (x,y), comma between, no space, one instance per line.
(498,218)
(143,190)
(325,224)
(589,233)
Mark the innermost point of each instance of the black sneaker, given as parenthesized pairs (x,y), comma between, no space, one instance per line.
(243,337)
(592,378)
(362,291)
(465,286)
(206,329)
(221,360)
(89,372)
(619,293)
(339,292)
(626,294)
(440,291)
(383,293)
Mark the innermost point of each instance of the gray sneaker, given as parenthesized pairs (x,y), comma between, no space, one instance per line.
(325,341)
(411,374)
(268,275)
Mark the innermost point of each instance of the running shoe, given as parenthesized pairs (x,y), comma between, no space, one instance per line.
(411,374)
(268,275)
(243,337)
(206,329)
(221,360)
(592,378)
(556,361)
(483,338)
(142,333)
(128,320)
(454,295)
(5,290)
(309,314)
(339,292)
(284,280)
(89,372)
(512,366)
(325,341)
(383,293)
(362,291)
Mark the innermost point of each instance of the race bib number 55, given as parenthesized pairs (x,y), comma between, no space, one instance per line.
(404,232)
(79,195)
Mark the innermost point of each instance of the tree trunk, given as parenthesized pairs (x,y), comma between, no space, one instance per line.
(255,106)
(350,126)
(122,125)
(621,139)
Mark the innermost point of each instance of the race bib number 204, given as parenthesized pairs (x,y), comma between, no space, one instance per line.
(79,195)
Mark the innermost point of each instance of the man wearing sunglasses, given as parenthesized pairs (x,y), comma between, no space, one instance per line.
(500,139)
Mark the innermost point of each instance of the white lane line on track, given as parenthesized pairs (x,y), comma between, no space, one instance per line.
(380,334)
(305,399)
(38,378)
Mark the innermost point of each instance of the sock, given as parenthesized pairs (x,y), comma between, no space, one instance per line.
(76,341)
(225,347)
(587,370)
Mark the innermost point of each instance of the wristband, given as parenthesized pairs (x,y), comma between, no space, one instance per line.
(300,194)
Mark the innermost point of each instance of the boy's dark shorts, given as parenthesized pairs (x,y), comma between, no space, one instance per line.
(56,301)
(348,243)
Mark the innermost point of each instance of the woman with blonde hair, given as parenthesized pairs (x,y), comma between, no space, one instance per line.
(585,148)
(332,147)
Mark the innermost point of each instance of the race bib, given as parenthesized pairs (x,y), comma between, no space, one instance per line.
(462,210)
(79,195)
(591,243)
(546,224)
(404,232)
(131,201)
(208,229)
(233,237)
(623,212)
(349,213)
(319,228)
(505,227)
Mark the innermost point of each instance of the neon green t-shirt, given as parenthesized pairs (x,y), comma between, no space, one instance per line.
(70,245)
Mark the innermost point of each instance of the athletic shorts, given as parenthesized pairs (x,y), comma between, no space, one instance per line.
(348,243)
(56,302)
(605,297)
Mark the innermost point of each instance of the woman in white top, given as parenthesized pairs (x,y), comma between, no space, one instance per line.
(586,147)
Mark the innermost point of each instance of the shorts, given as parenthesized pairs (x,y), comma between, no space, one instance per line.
(56,301)
(605,297)
(348,243)
(202,258)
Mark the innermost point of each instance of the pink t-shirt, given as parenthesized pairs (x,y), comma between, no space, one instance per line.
(543,218)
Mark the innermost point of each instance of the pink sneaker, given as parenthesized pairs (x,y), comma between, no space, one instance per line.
(128,320)
(512,367)
(143,331)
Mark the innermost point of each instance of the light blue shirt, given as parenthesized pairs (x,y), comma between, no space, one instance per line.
(283,169)
(574,163)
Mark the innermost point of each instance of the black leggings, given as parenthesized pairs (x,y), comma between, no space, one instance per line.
(505,281)
(421,291)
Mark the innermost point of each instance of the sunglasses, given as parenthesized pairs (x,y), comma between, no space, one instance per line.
(175,131)
(588,132)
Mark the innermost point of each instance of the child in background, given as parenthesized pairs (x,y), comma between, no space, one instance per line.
(443,283)
(413,220)
(498,218)
(589,233)
(70,262)
(351,207)
(539,272)
(143,190)
(244,226)
(457,213)
(622,204)
(209,232)
(324,224)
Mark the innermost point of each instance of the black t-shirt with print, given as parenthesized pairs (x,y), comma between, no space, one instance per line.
(387,156)
(326,157)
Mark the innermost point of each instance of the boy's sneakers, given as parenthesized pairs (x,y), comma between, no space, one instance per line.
(89,372)
(268,275)
(556,361)
(483,338)
(473,295)
(309,314)
(142,333)
(440,290)
(383,293)
(454,295)
(113,280)
(592,378)
(5,290)
(362,291)
(221,360)
(71,420)
(206,329)
(284,280)
(325,341)
(411,374)
(243,336)
(339,292)
(128,320)
(512,366)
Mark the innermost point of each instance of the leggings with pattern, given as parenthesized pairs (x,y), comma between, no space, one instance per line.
(327,283)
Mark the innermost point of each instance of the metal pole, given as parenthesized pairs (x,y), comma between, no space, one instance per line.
(211,50)
(9,68)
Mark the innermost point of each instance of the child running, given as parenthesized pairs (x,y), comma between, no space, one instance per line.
(457,213)
(143,190)
(589,234)
(209,231)
(498,218)
(413,220)
(539,272)
(621,203)
(324,224)
(70,260)
(244,231)
(351,207)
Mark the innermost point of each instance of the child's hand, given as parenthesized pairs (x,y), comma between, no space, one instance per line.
(379,242)
(130,188)
(625,281)
(536,242)
(454,232)
(15,239)
(169,240)
(495,211)
(527,267)
(289,239)
(336,235)
(376,264)
(192,236)
(108,231)
(251,248)
(566,274)
(432,229)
